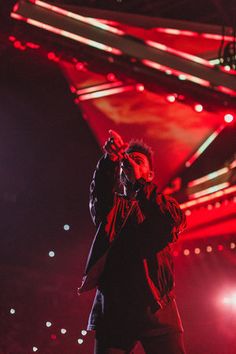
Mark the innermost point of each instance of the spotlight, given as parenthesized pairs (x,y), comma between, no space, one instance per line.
(209,249)
(51,254)
(186,252)
(171,98)
(140,87)
(198,108)
(228,118)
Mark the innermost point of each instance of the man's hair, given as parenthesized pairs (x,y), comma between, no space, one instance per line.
(140,146)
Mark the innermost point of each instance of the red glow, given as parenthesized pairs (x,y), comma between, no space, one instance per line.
(16,7)
(12,38)
(171,98)
(220,247)
(198,108)
(228,118)
(53,337)
(111,77)
(79,66)
(32,45)
(52,56)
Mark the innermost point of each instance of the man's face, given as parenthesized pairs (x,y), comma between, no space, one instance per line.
(142,164)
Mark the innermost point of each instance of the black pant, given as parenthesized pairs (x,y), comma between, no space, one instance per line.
(163,344)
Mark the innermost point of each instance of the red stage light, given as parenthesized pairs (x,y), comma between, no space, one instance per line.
(12,38)
(228,118)
(171,98)
(198,107)
(111,77)
(140,87)
(52,56)
(53,337)
(220,247)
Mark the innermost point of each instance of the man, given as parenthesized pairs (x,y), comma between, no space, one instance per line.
(130,261)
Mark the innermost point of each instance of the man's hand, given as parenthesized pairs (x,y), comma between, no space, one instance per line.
(115,146)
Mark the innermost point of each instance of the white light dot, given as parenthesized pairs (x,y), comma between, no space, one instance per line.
(209,249)
(232,245)
(182,77)
(227,68)
(210,207)
(188,212)
(80,341)
(171,98)
(217,205)
(51,254)
(66,227)
(168,72)
(12,311)
(35,349)
(83,332)
(197,250)
(198,108)
(228,118)
(63,331)
(48,324)
(186,252)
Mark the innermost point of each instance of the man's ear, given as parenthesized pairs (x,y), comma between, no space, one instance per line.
(150,176)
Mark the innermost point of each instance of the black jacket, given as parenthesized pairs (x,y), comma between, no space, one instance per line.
(151,221)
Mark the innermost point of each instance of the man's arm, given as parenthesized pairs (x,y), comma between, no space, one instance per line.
(105,178)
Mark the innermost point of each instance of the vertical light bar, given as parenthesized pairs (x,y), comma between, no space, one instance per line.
(204,146)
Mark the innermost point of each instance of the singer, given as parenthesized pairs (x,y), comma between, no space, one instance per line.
(130,261)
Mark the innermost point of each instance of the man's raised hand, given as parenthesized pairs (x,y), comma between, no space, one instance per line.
(115,146)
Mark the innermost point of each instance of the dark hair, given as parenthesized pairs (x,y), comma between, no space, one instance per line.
(140,146)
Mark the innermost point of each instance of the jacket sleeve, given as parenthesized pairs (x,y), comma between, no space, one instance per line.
(102,188)
(163,219)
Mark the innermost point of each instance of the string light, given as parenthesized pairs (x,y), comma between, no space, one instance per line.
(186,252)
(48,324)
(63,331)
(12,311)
(51,254)
(80,341)
(209,249)
(83,332)
(197,250)
(35,349)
